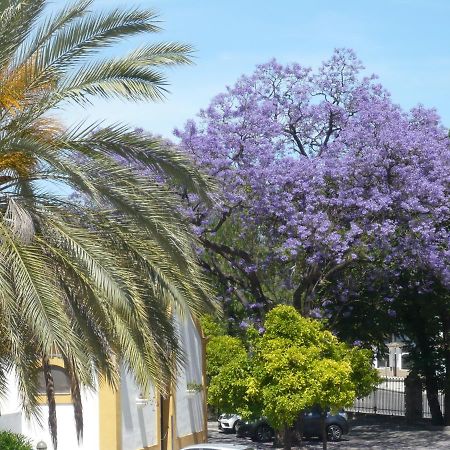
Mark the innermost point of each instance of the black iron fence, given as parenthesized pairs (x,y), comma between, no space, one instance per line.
(389,399)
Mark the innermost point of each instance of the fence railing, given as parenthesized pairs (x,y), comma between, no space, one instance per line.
(426,408)
(389,399)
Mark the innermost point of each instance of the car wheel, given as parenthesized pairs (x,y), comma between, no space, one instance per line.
(236,426)
(334,432)
(263,434)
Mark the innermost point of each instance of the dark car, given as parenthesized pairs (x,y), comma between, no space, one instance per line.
(260,430)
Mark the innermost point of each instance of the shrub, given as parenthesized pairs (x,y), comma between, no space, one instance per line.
(13,441)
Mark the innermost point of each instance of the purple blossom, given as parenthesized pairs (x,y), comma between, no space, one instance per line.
(320,168)
(316,313)
(392,313)
(255,306)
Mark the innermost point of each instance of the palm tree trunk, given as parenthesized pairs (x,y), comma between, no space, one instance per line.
(50,389)
(76,399)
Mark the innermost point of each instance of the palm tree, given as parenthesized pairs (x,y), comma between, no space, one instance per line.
(95,280)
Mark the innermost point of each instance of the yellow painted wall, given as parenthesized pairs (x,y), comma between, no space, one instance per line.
(109,418)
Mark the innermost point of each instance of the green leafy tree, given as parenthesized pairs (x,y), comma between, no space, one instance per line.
(94,281)
(227,363)
(13,441)
(235,388)
(211,326)
(295,365)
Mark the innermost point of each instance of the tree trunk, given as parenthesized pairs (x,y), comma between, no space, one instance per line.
(299,429)
(413,398)
(446,337)
(417,321)
(287,442)
(431,387)
(323,416)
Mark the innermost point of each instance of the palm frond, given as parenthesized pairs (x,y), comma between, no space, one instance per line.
(131,77)
(76,398)
(36,291)
(101,278)
(163,54)
(146,152)
(53,24)
(88,34)
(16,23)
(115,79)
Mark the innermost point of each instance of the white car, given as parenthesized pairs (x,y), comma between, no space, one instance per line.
(227,422)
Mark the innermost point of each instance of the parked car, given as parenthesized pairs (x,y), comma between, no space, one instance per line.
(227,422)
(260,430)
(217,446)
(336,425)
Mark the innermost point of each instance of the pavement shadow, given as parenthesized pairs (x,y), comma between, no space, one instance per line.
(386,435)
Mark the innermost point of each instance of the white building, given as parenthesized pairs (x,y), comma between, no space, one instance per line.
(395,364)
(123,420)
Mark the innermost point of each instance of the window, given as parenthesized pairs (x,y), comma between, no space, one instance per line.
(60,379)
(405,361)
(383,363)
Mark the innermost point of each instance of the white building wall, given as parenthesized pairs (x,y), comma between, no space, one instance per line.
(13,419)
(139,422)
(189,407)
(10,411)
(67,439)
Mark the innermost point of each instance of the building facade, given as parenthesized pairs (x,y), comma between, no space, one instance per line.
(123,419)
(395,363)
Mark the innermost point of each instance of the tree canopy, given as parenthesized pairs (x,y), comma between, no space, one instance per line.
(335,200)
(319,170)
(294,365)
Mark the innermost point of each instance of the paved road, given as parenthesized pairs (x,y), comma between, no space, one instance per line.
(384,435)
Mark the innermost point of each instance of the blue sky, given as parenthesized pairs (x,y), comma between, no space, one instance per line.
(405,42)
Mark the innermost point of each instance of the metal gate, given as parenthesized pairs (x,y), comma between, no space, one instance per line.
(388,399)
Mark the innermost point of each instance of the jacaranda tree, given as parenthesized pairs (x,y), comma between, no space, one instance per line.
(323,177)
(95,281)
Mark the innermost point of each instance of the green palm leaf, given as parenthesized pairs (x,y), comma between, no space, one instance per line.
(100,278)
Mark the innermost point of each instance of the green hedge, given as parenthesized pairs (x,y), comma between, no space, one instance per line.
(13,441)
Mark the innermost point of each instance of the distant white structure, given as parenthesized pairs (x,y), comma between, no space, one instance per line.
(395,364)
(123,420)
